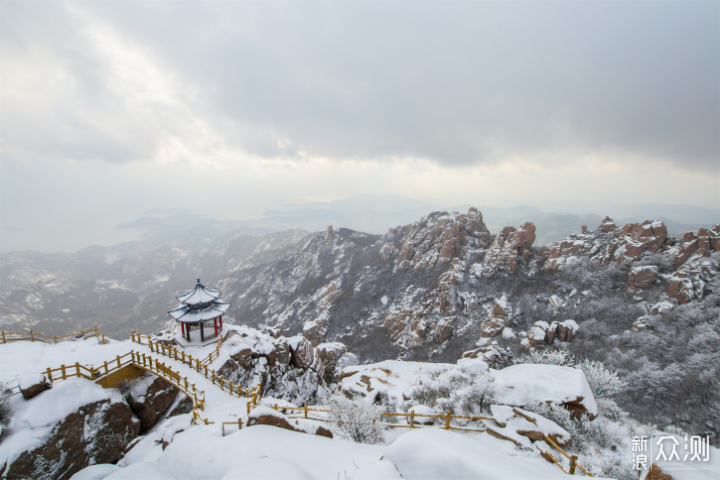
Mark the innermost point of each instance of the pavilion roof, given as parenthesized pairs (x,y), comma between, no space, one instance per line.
(185,314)
(198,295)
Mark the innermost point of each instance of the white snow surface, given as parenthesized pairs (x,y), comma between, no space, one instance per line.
(380,470)
(264,452)
(265,469)
(96,472)
(527,384)
(390,378)
(141,471)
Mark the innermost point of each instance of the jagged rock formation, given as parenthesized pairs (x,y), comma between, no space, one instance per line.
(288,368)
(508,248)
(627,245)
(397,292)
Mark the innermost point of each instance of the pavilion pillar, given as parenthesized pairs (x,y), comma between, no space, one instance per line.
(220,322)
(215,323)
(202,332)
(182,329)
(187,330)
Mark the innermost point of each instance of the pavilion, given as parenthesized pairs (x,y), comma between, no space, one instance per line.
(200,309)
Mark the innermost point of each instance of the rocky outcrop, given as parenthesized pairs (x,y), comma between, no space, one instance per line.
(430,244)
(288,368)
(97,433)
(641,277)
(330,355)
(149,398)
(508,248)
(542,333)
(609,244)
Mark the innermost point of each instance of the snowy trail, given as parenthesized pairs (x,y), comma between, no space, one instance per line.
(220,405)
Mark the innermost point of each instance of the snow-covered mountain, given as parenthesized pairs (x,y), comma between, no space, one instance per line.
(644,302)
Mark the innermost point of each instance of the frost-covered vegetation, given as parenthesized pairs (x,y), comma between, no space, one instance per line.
(357,420)
(671,368)
(462,391)
(5,409)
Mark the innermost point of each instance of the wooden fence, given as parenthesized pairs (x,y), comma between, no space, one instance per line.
(139,360)
(39,337)
(411,416)
(201,366)
(214,354)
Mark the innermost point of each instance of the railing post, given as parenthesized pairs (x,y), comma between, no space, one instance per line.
(54,339)
(64,375)
(248,407)
(447,421)
(573,463)
(239,423)
(118,361)
(49,375)
(3,336)
(32,336)
(276,407)
(412,418)
(106,367)
(306,410)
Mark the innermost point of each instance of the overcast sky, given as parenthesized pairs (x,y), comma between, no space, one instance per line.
(111,109)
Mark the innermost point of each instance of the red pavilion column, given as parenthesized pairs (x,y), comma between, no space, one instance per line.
(215,322)
(182,329)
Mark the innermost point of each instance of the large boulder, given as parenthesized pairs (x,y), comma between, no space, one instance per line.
(641,278)
(33,384)
(65,429)
(529,384)
(149,397)
(287,368)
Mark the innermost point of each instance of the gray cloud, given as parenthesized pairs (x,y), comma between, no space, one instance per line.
(457,83)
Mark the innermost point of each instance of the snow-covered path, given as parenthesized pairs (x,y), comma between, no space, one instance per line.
(220,405)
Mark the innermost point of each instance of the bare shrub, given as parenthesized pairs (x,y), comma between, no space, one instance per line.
(356,420)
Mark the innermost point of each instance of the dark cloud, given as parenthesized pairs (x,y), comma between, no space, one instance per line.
(457,83)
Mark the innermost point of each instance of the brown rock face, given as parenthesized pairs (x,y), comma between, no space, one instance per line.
(641,278)
(493,326)
(508,245)
(330,354)
(607,225)
(281,422)
(303,355)
(244,358)
(33,390)
(156,400)
(184,406)
(67,450)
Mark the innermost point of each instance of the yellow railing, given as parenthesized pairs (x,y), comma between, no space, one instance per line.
(137,338)
(142,361)
(411,416)
(201,366)
(573,459)
(39,337)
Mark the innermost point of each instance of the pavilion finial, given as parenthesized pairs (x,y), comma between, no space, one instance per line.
(198,280)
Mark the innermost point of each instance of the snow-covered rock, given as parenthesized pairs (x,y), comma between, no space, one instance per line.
(529,384)
(66,428)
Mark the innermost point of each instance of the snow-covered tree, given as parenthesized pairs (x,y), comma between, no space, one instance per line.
(357,420)
(602,381)
(562,358)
